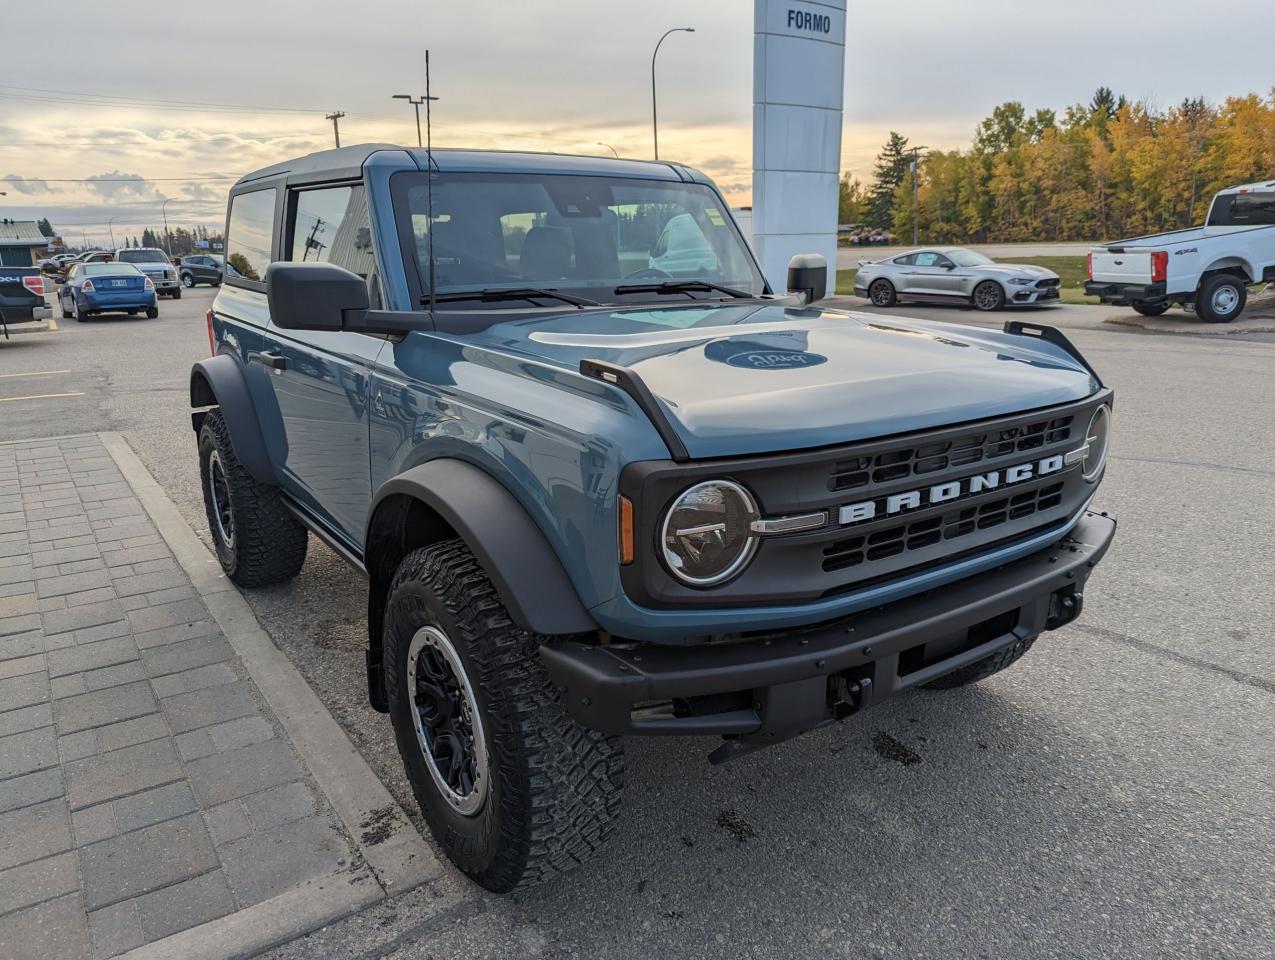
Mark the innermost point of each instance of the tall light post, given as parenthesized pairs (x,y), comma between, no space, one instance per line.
(655,127)
(415,102)
(168,243)
(609,147)
(112,229)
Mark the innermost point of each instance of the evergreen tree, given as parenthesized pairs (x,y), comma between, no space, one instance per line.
(46,230)
(892,169)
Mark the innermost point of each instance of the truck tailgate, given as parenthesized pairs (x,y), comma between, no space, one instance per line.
(1130,267)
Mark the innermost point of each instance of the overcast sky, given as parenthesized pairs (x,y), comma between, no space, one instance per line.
(81,92)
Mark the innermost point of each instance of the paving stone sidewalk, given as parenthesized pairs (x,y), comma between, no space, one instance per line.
(145,788)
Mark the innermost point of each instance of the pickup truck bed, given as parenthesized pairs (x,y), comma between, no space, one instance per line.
(21,297)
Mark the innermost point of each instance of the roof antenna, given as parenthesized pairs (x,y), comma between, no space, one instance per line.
(429,185)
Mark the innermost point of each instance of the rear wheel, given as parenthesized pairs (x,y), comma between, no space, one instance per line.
(514,790)
(66,313)
(258,542)
(881,293)
(1221,298)
(988,296)
(75,310)
(152,312)
(982,669)
(1150,308)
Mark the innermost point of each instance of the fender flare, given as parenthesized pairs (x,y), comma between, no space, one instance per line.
(510,546)
(219,381)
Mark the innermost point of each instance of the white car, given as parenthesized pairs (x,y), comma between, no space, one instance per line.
(954,275)
(1206,268)
(682,248)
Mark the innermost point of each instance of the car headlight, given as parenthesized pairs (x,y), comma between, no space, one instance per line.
(1097,436)
(706,537)
(1021,281)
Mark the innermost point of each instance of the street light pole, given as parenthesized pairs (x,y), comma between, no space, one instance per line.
(168,242)
(609,147)
(916,197)
(415,102)
(111,228)
(655,127)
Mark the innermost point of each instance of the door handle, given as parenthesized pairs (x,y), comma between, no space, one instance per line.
(275,361)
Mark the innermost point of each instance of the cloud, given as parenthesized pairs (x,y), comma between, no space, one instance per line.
(26,184)
(117,185)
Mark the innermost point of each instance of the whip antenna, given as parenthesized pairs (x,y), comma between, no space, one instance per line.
(429,183)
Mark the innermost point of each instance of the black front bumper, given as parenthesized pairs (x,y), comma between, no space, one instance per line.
(762,690)
(1124,293)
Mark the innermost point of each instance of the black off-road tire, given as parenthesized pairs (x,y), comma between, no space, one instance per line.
(176,294)
(881,293)
(267,544)
(1205,308)
(1150,308)
(981,669)
(988,296)
(553,791)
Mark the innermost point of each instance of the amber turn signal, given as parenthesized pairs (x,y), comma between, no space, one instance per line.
(626,530)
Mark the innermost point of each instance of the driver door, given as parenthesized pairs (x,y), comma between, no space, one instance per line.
(928,277)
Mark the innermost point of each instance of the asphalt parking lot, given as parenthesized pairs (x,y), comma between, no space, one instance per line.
(1111,796)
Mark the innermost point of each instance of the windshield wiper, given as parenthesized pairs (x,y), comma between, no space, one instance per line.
(682,286)
(493,294)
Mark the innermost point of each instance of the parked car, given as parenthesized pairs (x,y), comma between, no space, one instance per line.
(1207,269)
(96,256)
(682,248)
(56,266)
(96,288)
(196,268)
(954,275)
(591,504)
(21,297)
(153,262)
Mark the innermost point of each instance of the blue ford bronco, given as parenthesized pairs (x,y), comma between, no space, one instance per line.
(602,481)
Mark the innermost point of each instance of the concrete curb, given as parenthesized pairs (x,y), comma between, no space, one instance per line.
(270,923)
(398,856)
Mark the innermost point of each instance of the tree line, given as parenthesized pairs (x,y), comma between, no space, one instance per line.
(1103,170)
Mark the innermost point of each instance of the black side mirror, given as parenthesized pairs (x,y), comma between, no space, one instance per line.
(315,296)
(808,276)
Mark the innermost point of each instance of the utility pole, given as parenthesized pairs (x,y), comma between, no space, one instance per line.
(111,228)
(334,116)
(311,243)
(916,196)
(168,242)
(655,127)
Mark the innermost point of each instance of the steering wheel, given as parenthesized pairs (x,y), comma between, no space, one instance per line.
(652,273)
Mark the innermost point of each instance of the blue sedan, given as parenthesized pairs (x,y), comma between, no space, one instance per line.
(93,288)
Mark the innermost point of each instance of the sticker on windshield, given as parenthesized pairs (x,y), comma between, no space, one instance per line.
(716,217)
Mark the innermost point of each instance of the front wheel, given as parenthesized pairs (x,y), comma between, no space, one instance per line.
(988,296)
(513,789)
(257,540)
(1150,308)
(176,294)
(1221,298)
(881,293)
(187,281)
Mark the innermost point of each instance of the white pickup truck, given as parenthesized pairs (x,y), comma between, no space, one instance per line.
(1208,268)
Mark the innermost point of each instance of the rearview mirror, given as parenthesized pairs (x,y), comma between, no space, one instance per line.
(808,276)
(314,296)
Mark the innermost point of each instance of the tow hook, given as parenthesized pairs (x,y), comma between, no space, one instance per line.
(1064,607)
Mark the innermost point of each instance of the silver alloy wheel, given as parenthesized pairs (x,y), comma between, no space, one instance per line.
(219,497)
(188,280)
(987,296)
(879,292)
(449,727)
(1225,299)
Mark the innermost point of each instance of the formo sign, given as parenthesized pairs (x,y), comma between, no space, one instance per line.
(799,58)
(805,20)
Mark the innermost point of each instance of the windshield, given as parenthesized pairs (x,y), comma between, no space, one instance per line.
(968,258)
(575,234)
(142,256)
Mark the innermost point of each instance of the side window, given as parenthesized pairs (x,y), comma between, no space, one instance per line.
(926,259)
(944,262)
(906,261)
(250,231)
(331,225)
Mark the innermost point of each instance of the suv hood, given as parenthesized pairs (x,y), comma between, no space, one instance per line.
(760,377)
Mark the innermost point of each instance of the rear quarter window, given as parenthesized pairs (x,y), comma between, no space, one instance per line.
(250,235)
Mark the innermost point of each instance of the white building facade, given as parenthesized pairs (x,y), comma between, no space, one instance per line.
(798,82)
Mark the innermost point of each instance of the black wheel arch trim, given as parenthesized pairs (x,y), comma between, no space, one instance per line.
(1052,335)
(219,382)
(509,544)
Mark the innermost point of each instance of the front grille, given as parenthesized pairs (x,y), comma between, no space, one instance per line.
(1046,284)
(923,459)
(895,540)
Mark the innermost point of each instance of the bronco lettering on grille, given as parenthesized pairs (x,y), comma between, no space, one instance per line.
(951,490)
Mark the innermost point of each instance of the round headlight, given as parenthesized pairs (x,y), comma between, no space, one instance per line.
(1096,438)
(706,536)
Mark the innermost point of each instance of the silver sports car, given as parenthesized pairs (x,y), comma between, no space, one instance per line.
(954,275)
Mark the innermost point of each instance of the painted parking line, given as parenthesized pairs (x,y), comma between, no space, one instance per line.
(42,396)
(37,373)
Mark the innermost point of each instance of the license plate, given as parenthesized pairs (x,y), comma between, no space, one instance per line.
(119,283)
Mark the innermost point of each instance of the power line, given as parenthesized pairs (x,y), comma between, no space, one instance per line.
(137,179)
